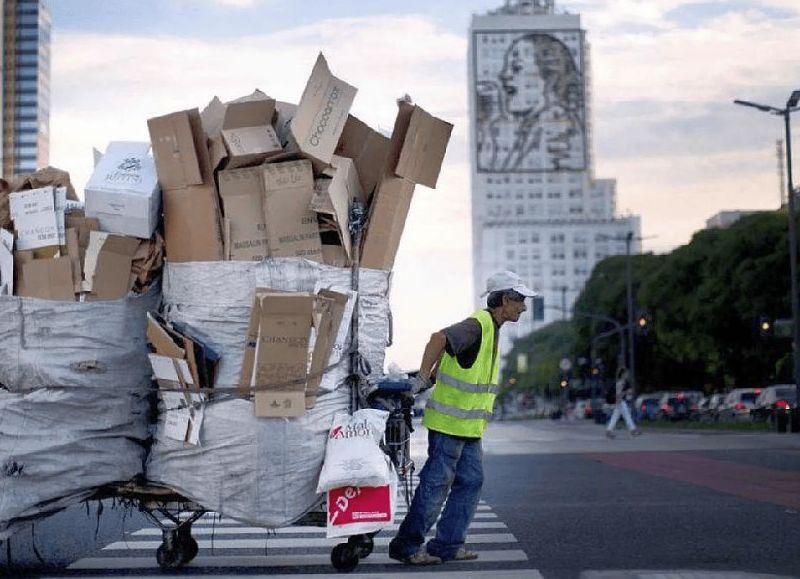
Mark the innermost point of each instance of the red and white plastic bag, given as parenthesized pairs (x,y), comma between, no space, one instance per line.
(358,510)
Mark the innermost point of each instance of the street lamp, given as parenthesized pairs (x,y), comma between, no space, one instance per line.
(791,106)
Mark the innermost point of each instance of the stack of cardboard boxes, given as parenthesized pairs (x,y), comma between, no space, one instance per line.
(54,247)
(257,178)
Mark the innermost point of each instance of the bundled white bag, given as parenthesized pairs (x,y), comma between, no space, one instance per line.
(353,456)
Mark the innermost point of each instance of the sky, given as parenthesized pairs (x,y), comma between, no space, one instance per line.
(664,76)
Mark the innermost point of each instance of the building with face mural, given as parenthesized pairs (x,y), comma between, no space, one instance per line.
(537,207)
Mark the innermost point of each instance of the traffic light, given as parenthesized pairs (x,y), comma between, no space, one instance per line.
(644,321)
(765,327)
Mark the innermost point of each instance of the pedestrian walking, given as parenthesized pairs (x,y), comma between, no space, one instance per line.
(622,389)
(465,362)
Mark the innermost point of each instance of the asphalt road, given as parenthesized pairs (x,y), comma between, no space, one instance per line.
(574,503)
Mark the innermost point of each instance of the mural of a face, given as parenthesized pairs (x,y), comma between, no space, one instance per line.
(521,79)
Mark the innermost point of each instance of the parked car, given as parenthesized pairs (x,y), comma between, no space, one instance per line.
(738,404)
(583,408)
(674,406)
(712,408)
(646,407)
(772,398)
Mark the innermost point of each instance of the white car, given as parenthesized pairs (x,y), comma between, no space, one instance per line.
(738,404)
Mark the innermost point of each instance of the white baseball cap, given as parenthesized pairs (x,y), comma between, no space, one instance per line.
(507,280)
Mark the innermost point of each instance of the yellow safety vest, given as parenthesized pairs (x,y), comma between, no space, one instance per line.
(463,398)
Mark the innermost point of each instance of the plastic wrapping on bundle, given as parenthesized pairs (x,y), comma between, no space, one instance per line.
(100,344)
(74,414)
(260,470)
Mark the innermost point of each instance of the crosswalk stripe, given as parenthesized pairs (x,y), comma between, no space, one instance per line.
(278,543)
(229,523)
(200,530)
(220,561)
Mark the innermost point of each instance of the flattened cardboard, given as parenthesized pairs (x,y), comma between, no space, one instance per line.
(387,220)
(83,226)
(334,255)
(20,259)
(242,195)
(60,201)
(192,225)
(368,149)
(179,149)
(96,241)
(34,214)
(292,227)
(6,263)
(328,312)
(419,143)
(74,254)
(161,340)
(322,112)
(334,196)
(282,354)
(48,279)
(112,276)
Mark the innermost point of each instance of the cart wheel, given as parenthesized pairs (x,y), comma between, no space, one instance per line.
(344,557)
(188,545)
(363,545)
(169,557)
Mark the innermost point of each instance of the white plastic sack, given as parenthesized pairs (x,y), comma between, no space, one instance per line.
(353,456)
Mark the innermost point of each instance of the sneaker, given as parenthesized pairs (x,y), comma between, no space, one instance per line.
(464,555)
(421,557)
(636,432)
(610,434)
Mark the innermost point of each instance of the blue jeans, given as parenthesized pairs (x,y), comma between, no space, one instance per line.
(453,471)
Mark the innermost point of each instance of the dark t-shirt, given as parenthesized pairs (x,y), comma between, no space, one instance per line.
(464,341)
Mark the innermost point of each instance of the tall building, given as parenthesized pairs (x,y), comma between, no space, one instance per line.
(26,86)
(537,208)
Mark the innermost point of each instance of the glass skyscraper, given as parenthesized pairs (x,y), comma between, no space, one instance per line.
(26,86)
(537,207)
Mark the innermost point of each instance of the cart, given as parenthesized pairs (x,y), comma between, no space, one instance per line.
(174,514)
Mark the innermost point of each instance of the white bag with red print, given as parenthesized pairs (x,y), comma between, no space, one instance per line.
(353,456)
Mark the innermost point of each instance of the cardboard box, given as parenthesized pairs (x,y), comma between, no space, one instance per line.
(35,220)
(192,227)
(281,356)
(321,114)
(334,255)
(112,274)
(183,410)
(387,219)
(242,194)
(177,342)
(6,263)
(47,279)
(83,227)
(123,192)
(241,131)
(419,142)
(180,150)
(333,196)
(369,151)
(292,227)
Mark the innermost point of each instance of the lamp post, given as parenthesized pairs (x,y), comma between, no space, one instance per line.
(629,291)
(791,106)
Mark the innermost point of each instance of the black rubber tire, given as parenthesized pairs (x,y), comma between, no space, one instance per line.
(188,545)
(344,557)
(363,544)
(169,558)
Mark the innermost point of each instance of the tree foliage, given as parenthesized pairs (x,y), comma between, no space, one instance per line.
(705,299)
